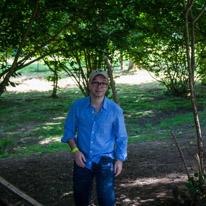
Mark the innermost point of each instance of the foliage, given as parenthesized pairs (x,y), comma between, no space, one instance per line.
(197,188)
(55,68)
(73,30)
(81,32)
(81,64)
(168,62)
(28,31)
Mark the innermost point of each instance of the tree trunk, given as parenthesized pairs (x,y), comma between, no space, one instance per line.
(191,68)
(121,61)
(12,70)
(114,92)
(131,65)
(55,84)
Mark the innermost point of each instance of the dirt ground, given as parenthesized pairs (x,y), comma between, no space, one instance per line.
(149,174)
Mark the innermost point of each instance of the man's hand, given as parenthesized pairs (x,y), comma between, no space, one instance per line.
(118,167)
(79,158)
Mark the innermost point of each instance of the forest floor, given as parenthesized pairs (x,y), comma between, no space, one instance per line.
(153,168)
(149,174)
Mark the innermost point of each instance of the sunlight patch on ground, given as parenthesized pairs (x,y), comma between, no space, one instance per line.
(132,202)
(139,77)
(51,123)
(150,185)
(147,113)
(26,84)
(58,118)
(38,84)
(148,200)
(154,181)
(47,141)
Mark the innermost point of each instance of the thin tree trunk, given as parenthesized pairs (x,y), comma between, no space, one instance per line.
(111,79)
(121,61)
(122,65)
(131,65)
(12,69)
(55,84)
(191,68)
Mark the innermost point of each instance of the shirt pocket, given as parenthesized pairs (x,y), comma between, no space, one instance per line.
(104,129)
(85,122)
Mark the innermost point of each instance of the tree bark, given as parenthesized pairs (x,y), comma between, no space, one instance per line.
(12,69)
(131,65)
(114,92)
(191,68)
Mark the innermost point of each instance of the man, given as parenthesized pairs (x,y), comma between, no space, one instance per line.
(101,137)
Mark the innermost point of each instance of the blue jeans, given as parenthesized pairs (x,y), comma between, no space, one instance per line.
(83,181)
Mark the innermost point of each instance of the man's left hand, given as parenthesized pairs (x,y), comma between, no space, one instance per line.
(118,167)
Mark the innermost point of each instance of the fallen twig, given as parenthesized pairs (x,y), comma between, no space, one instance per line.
(18,192)
(181,154)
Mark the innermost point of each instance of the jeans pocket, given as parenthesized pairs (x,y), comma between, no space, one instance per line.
(107,164)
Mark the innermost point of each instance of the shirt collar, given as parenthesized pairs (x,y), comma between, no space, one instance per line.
(104,105)
(88,102)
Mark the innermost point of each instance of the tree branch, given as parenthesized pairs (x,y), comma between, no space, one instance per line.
(200,14)
(34,60)
(26,33)
(181,154)
(46,43)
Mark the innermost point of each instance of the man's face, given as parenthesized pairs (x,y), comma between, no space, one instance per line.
(98,86)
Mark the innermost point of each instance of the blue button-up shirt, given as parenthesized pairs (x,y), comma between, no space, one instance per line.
(98,135)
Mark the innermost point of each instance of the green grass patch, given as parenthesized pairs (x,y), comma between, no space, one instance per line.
(5,142)
(37,149)
(5,147)
(148,137)
(177,121)
(30,119)
(35,67)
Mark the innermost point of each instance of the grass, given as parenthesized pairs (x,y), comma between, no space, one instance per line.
(35,67)
(32,123)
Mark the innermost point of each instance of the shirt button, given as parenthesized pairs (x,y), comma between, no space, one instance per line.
(91,142)
(92,132)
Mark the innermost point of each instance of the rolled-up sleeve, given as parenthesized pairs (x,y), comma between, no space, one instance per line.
(121,136)
(70,125)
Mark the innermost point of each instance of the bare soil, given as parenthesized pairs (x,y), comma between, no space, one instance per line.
(149,174)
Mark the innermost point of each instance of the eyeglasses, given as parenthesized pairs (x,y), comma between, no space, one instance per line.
(101,84)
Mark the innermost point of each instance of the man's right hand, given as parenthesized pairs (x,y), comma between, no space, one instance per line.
(79,158)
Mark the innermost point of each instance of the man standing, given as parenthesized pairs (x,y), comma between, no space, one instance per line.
(96,133)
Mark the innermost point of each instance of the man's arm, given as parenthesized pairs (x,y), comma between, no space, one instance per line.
(79,157)
(121,142)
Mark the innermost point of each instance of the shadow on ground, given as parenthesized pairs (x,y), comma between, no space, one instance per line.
(151,171)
